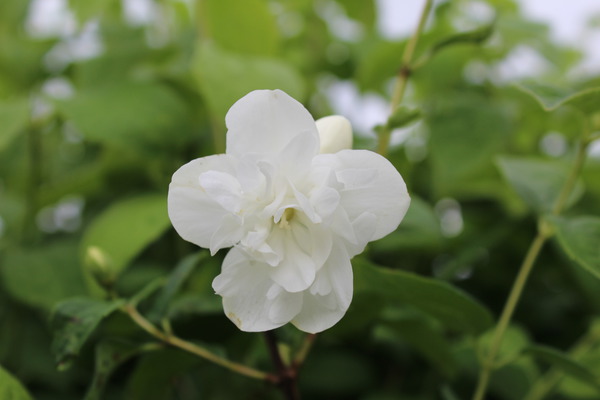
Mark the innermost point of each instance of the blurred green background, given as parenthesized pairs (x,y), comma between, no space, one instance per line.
(101,106)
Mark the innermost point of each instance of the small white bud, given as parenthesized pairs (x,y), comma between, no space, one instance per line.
(335,133)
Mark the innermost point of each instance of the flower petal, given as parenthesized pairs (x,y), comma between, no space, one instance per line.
(251,299)
(265,121)
(335,133)
(194,213)
(320,312)
(371,184)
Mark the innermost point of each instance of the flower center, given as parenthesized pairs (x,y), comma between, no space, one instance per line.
(287,216)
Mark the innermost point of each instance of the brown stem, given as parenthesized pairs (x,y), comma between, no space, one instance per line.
(287,375)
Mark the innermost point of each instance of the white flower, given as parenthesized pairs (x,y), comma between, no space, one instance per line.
(293,216)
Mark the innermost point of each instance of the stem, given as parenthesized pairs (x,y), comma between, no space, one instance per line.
(403,75)
(507,313)
(191,347)
(543,234)
(309,340)
(288,377)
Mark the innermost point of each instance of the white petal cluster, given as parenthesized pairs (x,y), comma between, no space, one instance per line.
(293,215)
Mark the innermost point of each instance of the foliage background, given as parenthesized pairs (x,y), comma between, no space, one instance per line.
(88,143)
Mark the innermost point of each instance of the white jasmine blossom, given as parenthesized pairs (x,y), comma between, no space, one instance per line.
(293,216)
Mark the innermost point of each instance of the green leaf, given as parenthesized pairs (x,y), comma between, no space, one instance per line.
(128,114)
(241,26)
(126,228)
(11,388)
(462,149)
(176,279)
(73,321)
(551,97)
(14,116)
(109,355)
(419,229)
(452,307)
(563,362)
(425,337)
(224,77)
(580,239)
(403,116)
(538,182)
(475,36)
(85,10)
(42,276)
(360,10)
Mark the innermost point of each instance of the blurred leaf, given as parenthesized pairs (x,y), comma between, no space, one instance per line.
(195,304)
(73,321)
(419,229)
(11,388)
(580,239)
(176,279)
(380,61)
(109,355)
(462,149)
(360,10)
(42,276)
(125,229)
(85,9)
(566,364)
(403,116)
(128,114)
(224,77)
(452,307)
(538,182)
(241,26)
(475,36)
(551,98)
(14,116)
(426,338)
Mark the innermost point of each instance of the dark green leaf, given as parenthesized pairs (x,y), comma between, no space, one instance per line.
(14,116)
(11,388)
(580,239)
(109,355)
(452,307)
(538,182)
(73,321)
(551,97)
(176,279)
(126,228)
(225,77)
(566,364)
(241,26)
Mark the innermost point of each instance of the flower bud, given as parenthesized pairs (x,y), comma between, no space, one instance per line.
(335,133)
(100,266)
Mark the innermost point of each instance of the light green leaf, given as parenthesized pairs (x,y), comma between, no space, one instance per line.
(538,182)
(224,77)
(452,307)
(42,276)
(550,97)
(14,116)
(128,114)
(73,321)
(566,364)
(580,239)
(85,9)
(360,10)
(125,229)
(246,27)
(11,388)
